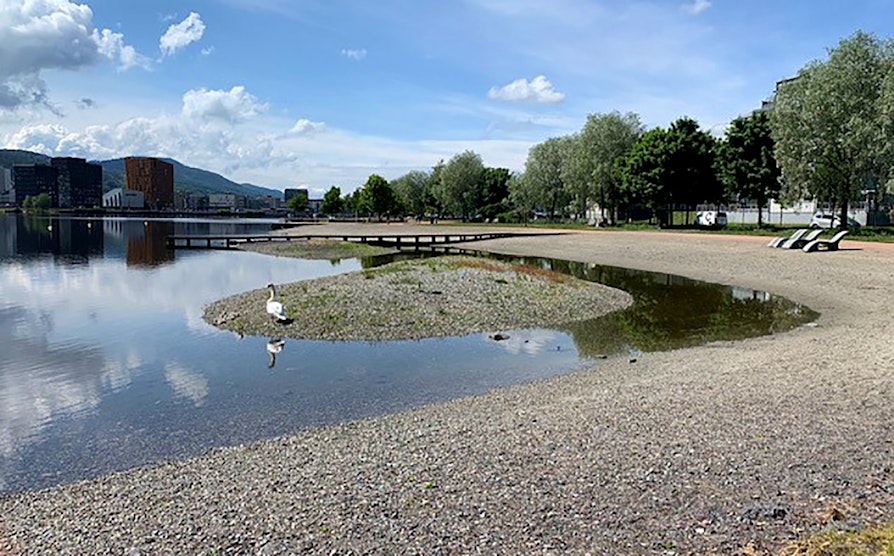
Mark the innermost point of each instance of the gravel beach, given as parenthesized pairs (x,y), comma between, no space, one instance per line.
(728,448)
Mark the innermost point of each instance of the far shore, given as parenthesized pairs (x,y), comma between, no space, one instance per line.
(727,448)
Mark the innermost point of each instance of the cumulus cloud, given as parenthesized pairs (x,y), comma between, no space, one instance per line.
(50,34)
(306,127)
(203,131)
(538,89)
(112,46)
(233,106)
(180,35)
(697,6)
(354,53)
(85,103)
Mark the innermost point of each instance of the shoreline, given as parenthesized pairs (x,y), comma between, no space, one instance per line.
(727,447)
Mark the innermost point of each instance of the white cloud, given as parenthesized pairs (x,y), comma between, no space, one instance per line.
(354,54)
(111,45)
(207,51)
(233,106)
(697,6)
(305,127)
(538,89)
(50,34)
(181,35)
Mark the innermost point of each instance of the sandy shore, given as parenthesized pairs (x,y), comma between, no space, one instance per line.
(726,448)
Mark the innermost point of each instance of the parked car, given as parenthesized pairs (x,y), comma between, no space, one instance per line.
(827,220)
(711,219)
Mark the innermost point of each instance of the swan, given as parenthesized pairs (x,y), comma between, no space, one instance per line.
(274,346)
(275,308)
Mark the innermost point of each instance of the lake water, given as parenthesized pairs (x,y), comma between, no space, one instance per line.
(106,363)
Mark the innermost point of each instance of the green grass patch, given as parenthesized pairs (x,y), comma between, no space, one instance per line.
(867,542)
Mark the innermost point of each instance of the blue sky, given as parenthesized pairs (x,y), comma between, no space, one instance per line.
(316,93)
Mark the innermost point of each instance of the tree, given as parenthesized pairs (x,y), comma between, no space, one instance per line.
(460,187)
(643,171)
(522,195)
(298,202)
(746,164)
(433,204)
(494,192)
(332,201)
(38,202)
(592,171)
(412,189)
(692,173)
(673,166)
(377,196)
(832,123)
(544,169)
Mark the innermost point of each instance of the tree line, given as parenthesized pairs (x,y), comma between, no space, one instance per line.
(827,134)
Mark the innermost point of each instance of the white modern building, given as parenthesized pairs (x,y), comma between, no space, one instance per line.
(123,198)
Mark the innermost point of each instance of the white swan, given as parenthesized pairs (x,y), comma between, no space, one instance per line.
(274,346)
(275,308)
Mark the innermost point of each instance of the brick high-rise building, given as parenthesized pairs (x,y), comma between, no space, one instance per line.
(78,181)
(154,177)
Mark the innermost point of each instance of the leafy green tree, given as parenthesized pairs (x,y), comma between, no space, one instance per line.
(833,123)
(495,186)
(433,204)
(332,201)
(643,171)
(413,190)
(353,203)
(460,185)
(298,202)
(377,196)
(523,196)
(494,192)
(692,173)
(746,163)
(592,171)
(544,170)
(669,167)
(41,201)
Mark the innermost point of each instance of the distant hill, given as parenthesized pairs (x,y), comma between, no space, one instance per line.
(9,157)
(186,178)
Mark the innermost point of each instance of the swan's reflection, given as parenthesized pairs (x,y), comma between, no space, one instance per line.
(274,346)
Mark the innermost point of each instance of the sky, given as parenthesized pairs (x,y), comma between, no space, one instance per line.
(322,93)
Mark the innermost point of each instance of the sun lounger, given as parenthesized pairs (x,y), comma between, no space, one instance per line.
(800,242)
(825,244)
(778,241)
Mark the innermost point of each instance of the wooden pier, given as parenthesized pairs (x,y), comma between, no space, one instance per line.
(399,241)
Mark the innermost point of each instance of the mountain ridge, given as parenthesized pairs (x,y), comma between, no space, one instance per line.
(187,179)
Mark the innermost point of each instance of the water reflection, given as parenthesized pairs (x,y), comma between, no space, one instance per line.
(672,312)
(71,241)
(274,346)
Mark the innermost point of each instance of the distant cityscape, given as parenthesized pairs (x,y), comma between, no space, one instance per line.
(75,183)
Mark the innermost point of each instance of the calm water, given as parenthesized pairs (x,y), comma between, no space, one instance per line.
(106,363)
